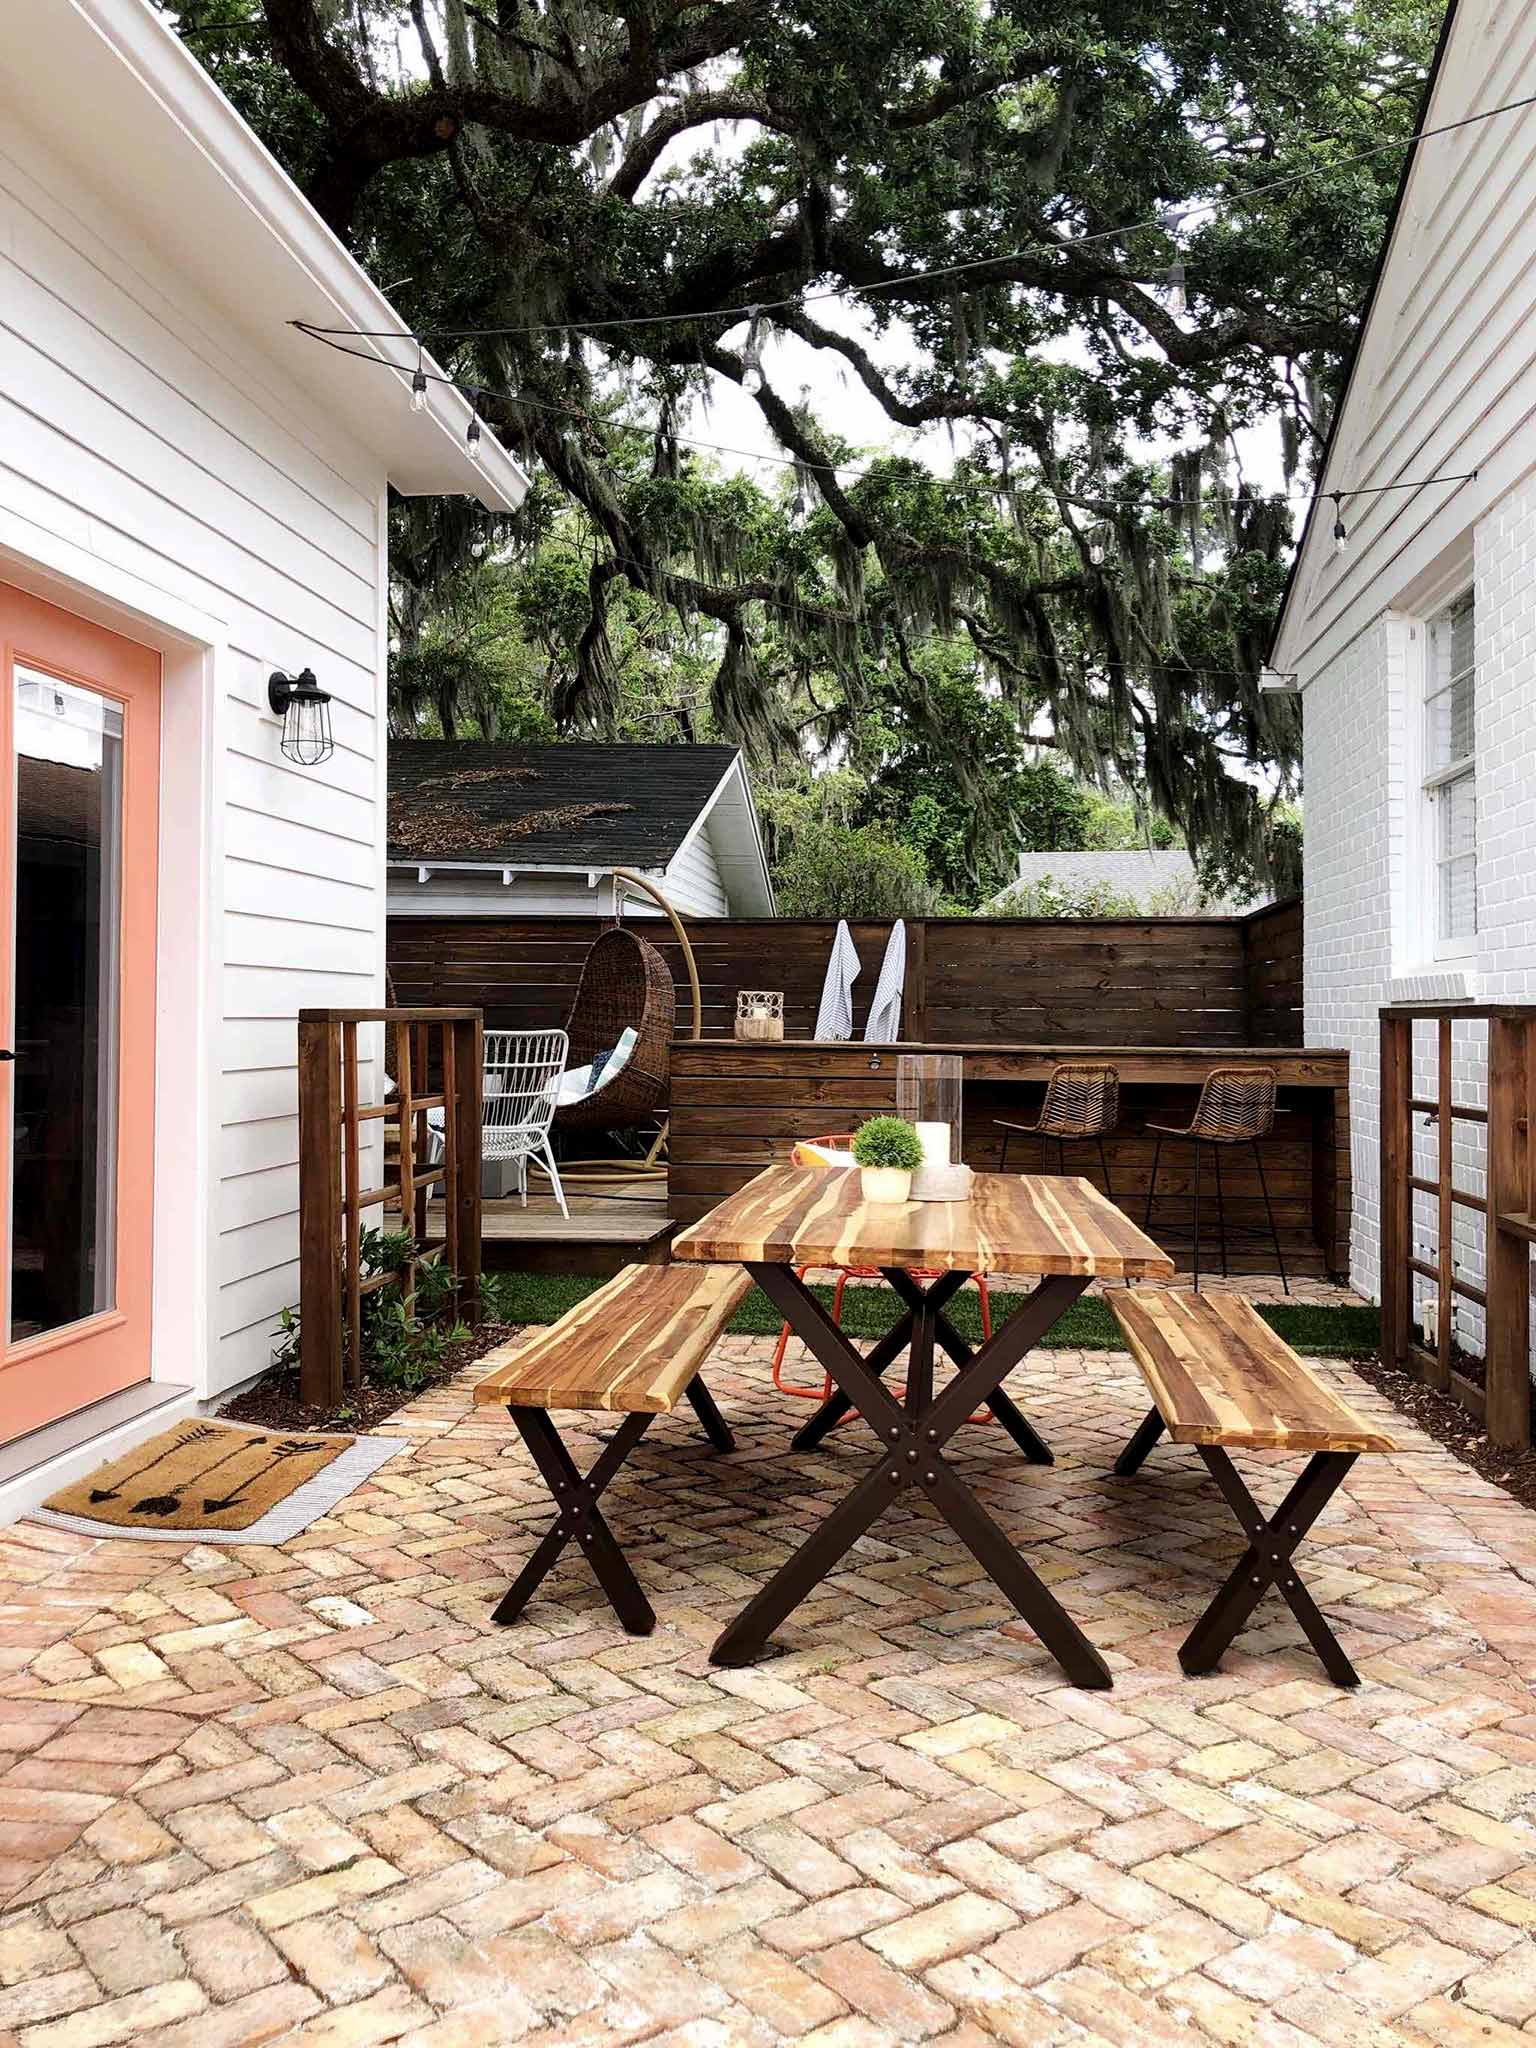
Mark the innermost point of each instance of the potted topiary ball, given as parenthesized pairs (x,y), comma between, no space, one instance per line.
(888,1151)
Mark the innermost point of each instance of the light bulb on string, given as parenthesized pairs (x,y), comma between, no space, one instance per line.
(1178,298)
(1340,531)
(419,387)
(1096,550)
(472,437)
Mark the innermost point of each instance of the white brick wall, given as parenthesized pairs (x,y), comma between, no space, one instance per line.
(1363,947)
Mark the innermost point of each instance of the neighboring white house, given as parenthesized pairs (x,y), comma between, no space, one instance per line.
(192,496)
(1157,881)
(1415,645)
(478,829)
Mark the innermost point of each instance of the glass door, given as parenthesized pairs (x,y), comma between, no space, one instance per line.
(79,743)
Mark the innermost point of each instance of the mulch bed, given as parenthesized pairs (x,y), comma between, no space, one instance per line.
(273,1401)
(1443,1417)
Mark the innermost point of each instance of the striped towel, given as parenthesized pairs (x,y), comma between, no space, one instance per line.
(835,1017)
(884,1026)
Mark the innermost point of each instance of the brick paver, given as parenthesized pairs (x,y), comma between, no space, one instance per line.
(309,1794)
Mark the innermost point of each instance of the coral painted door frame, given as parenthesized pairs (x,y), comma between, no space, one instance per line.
(63,1369)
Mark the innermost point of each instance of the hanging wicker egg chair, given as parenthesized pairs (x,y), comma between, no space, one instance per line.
(625,984)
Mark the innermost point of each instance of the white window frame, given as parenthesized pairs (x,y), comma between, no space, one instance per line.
(1427,785)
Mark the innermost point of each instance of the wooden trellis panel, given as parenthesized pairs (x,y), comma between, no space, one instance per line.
(1508,1208)
(423,1047)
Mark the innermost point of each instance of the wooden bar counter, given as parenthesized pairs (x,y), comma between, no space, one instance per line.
(736,1107)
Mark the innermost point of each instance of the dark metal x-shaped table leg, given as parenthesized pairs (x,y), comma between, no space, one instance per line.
(1269,1561)
(890,1348)
(578,1519)
(912,1454)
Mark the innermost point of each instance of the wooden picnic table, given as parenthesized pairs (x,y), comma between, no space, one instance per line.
(1058,1230)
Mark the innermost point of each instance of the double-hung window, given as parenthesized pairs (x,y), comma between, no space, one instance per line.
(1450,778)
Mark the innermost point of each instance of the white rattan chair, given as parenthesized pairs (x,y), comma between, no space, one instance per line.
(522,1083)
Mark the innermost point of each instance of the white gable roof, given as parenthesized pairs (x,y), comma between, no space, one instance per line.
(110,87)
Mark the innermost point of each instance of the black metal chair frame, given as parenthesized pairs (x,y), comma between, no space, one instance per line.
(912,1440)
(1269,1559)
(579,1520)
(1240,1232)
(1011,1131)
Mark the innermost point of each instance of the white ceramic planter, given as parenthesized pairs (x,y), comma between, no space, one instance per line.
(885,1183)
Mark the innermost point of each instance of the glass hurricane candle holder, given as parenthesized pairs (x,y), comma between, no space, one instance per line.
(929,1094)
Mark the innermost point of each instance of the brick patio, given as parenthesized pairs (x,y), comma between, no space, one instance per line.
(309,1794)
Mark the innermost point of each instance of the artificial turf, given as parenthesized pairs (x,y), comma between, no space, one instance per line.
(1347,1330)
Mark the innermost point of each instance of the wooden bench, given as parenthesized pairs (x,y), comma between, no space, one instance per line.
(633,1348)
(1222,1380)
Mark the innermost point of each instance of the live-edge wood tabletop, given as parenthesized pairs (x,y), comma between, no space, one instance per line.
(1037,1224)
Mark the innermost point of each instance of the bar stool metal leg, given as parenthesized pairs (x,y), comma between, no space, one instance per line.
(1197,1215)
(1270,1213)
(1221,1209)
(1104,1166)
(1157,1153)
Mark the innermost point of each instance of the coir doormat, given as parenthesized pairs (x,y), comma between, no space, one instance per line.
(200,1476)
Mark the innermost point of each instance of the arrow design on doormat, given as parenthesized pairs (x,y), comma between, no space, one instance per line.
(290,1447)
(168,1503)
(198,1434)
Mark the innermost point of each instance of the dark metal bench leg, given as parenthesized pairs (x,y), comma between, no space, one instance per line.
(714,1424)
(1269,1561)
(1133,1457)
(578,1519)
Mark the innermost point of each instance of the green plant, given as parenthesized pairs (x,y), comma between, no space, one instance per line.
(888,1141)
(401,1347)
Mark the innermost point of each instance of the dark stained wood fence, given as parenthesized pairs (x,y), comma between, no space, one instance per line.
(1272,956)
(999,981)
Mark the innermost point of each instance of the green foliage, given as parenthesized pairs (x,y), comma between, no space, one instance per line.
(400,1348)
(838,870)
(583,170)
(1235,874)
(888,1141)
(1047,897)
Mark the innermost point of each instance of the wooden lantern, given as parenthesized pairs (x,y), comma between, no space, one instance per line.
(760,1013)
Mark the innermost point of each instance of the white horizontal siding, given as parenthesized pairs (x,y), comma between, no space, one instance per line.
(692,880)
(1446,381)
(134,426)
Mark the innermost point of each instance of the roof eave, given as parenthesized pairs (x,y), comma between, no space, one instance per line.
(234,223)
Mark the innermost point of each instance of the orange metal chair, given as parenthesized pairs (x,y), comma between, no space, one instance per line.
(842,1141)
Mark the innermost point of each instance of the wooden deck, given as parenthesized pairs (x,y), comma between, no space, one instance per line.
(601,1234)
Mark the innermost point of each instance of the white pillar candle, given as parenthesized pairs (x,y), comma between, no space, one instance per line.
(935,1141)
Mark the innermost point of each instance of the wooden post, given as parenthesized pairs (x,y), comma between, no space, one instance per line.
(1396,1086)
(462,1119)
(1445,1172)
(320,1381)
(352,1215)
(1511,1077)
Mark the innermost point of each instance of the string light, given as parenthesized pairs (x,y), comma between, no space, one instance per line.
(1160,223)
(419,387)
(1178,298)
(472,437)
(1340,531)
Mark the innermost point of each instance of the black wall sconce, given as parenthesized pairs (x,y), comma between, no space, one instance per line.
(305,710)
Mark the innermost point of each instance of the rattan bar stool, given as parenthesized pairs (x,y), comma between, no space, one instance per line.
(1081,1101)
(1236,1107)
